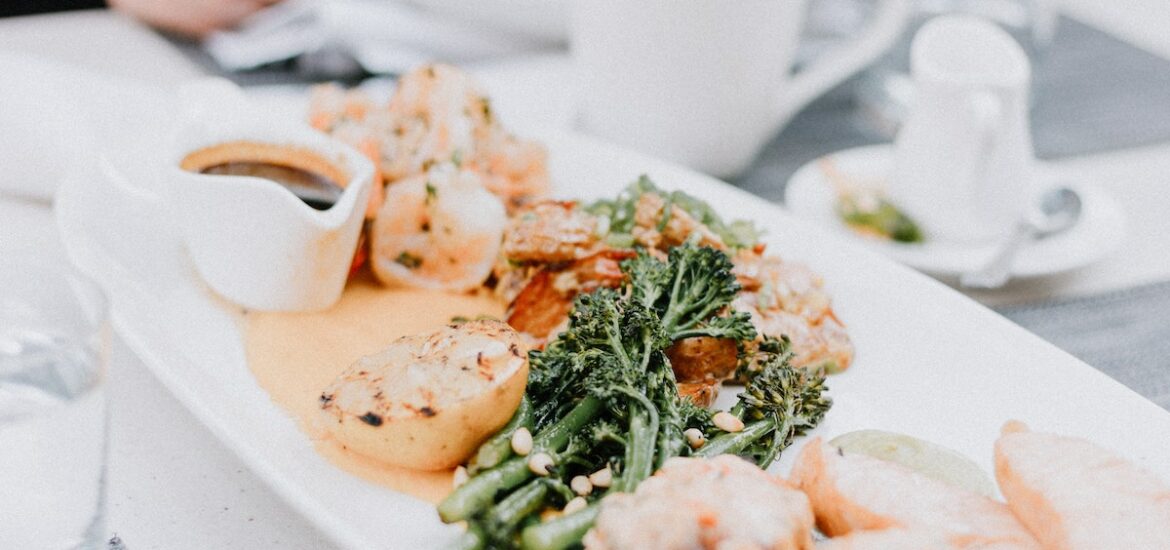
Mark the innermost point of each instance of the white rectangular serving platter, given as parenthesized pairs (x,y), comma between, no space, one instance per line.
(930,362)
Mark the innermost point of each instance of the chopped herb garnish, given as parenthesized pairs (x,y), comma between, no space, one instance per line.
(432,193)
(408,260)
(869,213)
(620,211)
(457,158)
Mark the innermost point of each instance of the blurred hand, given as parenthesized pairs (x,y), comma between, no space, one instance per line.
(191,18)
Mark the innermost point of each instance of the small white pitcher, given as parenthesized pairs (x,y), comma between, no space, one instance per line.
(251,239)
(964,156)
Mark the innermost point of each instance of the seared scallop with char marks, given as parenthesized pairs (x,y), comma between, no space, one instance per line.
(427,401)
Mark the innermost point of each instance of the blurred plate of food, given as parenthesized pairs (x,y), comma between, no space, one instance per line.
(843,193)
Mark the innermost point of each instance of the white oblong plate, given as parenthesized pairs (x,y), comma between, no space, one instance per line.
(1101,228)
(930,363)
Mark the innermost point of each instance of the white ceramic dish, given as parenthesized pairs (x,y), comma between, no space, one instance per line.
(930,362)
(811,196)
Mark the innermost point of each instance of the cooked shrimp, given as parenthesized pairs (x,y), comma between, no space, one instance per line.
(438,230)
(771,283)
(689,504)
(516,170)
(1075,495)
(551,231)
(437,114)
(824,345)
(789,299)
(440,114)
(856,492)
(657,227)
(542,307)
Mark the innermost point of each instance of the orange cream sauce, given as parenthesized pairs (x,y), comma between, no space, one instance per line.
(296,355)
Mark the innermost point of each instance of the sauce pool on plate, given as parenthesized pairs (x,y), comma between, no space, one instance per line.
(296,355)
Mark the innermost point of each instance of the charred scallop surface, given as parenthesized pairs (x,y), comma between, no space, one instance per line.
(428,400)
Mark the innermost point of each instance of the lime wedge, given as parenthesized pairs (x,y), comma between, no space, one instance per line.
(929,459)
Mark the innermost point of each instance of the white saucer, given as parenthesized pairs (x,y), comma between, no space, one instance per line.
(811,196)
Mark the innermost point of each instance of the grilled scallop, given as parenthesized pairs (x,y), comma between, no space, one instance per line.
(427,401)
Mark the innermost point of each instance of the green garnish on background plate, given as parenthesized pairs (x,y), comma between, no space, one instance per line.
(868,213)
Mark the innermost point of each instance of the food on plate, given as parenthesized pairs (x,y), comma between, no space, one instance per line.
(788,299)
(428,401)
(631,306)
(1072,494)
(869,213)
(605,405)
(865,209)
(438,230)
(540,310)
(854,491)
(894,538)
(724,502)
(927,458)
(437,114)
(554,250)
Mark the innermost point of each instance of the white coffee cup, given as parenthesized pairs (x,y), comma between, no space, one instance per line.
(963,158)
(706,82)
(252,240)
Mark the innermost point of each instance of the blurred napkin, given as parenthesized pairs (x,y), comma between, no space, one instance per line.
(383,37)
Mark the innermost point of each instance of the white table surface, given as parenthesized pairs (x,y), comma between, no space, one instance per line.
(173,485)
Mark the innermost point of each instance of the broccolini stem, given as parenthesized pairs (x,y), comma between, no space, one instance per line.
(515,507)
(499,447)
(479,491)
(641,446)
(471,539)
(560,533)
(781,438)
(734,443)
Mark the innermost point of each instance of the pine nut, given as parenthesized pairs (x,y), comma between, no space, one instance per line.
(695,437)
(602,478)
(460,477)
(581,485)
(540,463)
(727,422)
(522,441)
(575,505)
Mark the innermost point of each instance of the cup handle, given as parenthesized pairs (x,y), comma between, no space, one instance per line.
(842,61)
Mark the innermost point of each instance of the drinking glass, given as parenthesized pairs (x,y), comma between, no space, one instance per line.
(53,416)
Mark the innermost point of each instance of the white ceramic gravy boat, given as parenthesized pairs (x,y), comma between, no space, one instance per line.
(252,240)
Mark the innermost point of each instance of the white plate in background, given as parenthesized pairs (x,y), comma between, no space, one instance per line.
(930,362)
(810,195)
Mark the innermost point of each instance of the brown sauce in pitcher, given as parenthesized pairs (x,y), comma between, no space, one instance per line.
(309,176)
